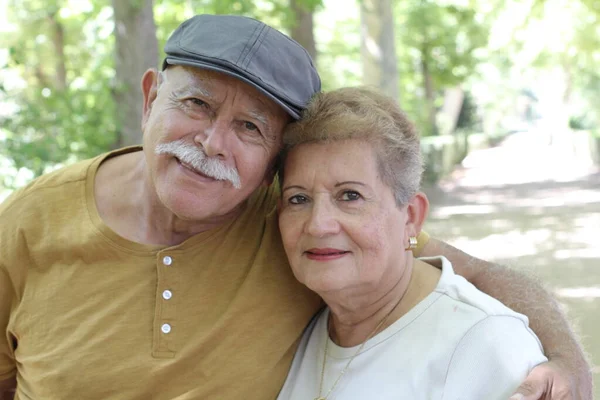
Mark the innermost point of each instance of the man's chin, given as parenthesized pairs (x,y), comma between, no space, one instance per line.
(199,207)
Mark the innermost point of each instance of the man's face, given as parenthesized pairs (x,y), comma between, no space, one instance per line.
(191,113)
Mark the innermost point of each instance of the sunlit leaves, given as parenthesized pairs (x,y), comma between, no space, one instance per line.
(64,108)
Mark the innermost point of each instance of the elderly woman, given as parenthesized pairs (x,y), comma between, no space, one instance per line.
(395,326)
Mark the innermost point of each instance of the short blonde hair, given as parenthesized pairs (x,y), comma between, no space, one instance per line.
(365,114)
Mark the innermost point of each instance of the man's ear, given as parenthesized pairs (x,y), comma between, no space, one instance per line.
(417,210)
(149,90)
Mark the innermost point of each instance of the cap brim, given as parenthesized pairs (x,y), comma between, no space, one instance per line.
(293,111)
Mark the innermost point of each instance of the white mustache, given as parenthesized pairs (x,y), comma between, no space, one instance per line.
(196,158)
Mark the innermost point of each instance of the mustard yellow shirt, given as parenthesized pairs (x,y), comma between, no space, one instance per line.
(87,314)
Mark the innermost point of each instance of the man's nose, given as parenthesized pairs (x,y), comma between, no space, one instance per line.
(322,219)
(214,138)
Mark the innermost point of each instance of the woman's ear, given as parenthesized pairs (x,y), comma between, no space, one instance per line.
(417,210)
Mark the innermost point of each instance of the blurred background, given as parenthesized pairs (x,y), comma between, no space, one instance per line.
(506,95)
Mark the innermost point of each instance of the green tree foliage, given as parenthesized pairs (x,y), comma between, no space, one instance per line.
(59,71)
(560,37)
(441,44)
(277,13)
(64,53)
(579,58)
(64,110)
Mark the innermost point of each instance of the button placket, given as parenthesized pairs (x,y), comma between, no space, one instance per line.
(165,315)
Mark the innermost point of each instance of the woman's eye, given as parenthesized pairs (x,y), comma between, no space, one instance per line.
(350,195)
(298,199)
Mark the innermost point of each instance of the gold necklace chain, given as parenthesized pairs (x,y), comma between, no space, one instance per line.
(379,325)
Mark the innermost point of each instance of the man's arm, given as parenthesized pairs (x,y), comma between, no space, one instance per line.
(567,375)
(7,389)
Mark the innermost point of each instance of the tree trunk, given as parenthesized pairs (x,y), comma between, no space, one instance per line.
(429,91)
(136,50)
(447,118)
(568,90)
(58,33)
(378,48)
(302,29)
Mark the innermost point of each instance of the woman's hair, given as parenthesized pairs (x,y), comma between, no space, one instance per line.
(365,114)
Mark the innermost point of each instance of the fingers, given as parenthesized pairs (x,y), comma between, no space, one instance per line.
(534,387)
(547,381)
(529,391)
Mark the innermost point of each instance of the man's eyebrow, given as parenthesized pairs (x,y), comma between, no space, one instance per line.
(259,116)
(192,91)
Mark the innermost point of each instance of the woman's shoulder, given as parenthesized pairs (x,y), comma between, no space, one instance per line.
(461,293)
(489,347)
(492,359)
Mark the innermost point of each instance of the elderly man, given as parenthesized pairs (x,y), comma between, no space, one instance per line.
(158,272)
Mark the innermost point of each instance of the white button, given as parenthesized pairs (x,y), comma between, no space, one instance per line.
(167,294)
(167,260)
(165,328)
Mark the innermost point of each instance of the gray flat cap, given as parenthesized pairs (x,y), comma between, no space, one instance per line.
(251,51)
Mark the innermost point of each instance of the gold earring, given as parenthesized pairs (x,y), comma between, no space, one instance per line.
(412,243)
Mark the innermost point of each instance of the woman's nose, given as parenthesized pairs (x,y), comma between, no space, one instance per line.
(322,220)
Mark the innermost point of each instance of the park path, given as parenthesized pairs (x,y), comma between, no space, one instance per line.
(534,204)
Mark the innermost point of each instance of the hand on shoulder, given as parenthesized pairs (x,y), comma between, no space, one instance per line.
(553,380)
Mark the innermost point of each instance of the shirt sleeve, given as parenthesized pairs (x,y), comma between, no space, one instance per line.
(492,360)
(10,277)
(7,361)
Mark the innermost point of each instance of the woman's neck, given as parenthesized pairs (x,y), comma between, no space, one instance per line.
(352,323)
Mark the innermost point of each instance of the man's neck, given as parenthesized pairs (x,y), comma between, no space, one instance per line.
(129,206)
(159,226)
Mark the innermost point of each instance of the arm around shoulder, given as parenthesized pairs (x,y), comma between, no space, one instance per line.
(526,296)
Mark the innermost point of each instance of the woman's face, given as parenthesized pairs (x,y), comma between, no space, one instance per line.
(340,224)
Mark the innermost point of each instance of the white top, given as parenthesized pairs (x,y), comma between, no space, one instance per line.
(458,343)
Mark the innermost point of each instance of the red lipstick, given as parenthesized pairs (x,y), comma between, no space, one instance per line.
(325,254)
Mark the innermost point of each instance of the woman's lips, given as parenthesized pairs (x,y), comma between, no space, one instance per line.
(325,254)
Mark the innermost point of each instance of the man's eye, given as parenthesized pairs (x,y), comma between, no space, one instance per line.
(250,126)
(350,195)
(198,102)
(298,199)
